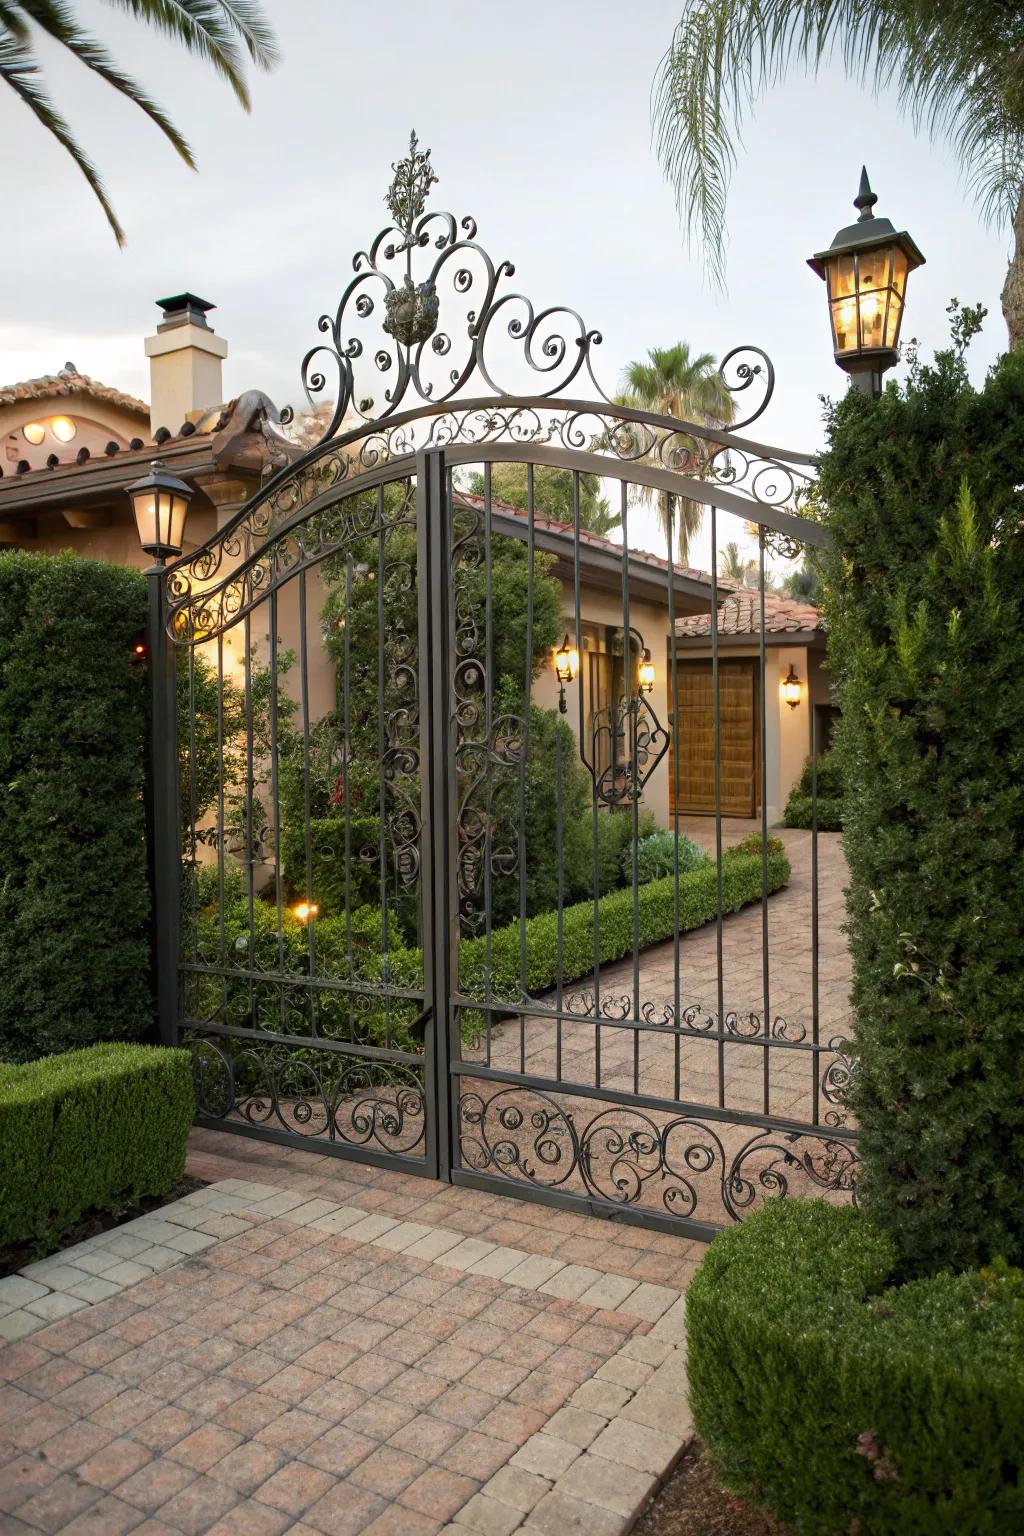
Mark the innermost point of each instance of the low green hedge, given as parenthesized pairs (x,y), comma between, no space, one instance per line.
(89,1129)
(828,787)
(850,1405)
(656,921)
(799,810)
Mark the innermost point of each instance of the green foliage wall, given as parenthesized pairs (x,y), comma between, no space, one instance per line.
(74,901)
(923,601)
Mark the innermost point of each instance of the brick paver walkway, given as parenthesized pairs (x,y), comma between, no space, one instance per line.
(339,1369)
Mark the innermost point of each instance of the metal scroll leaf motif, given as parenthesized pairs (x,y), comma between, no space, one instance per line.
(688,1167)
(383,345)
(633,739)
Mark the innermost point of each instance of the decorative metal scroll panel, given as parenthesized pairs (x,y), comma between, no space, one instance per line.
(301,981)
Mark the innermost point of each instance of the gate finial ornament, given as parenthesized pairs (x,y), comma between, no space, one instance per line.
(406,198)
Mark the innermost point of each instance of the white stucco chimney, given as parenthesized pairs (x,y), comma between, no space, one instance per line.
(185,359)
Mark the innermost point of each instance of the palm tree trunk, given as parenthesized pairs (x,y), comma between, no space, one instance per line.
(1013,289)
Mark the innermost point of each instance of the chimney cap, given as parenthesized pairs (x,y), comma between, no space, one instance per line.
(184,309)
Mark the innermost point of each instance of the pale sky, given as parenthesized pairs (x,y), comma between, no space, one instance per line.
(538,116)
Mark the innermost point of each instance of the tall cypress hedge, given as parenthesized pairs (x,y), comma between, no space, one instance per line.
(924,598)
(74,900)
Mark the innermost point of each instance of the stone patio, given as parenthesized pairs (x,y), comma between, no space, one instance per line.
(364,1352)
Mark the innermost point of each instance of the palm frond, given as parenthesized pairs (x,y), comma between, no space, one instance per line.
(56,19)
(958,70)
(211,29)
(19,70)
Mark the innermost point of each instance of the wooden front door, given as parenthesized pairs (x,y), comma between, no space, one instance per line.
(693,737)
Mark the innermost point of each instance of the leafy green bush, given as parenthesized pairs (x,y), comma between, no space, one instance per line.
(89,1130)
(613,837)
(924,602)
(661,854)
(741,883)
(828,792)
(847,1403)
(74,900)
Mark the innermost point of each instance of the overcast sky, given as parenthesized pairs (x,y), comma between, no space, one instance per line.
(538,116)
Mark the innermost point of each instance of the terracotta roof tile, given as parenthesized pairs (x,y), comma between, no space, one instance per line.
(595,540)
(55,386)
(740,614)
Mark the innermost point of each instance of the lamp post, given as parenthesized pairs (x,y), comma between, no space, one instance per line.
(160,506)
(865,270)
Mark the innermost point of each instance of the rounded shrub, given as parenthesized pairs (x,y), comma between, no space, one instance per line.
(849,1404)
(660,855)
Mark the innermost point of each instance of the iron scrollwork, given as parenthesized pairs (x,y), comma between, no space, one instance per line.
(691,1168)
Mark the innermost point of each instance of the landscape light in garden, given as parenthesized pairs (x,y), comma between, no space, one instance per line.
(866,269)
(567,666)
(304,910)
(160,504)
(645,673)
(791,687)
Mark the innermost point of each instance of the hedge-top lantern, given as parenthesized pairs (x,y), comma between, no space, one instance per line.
(160,504)
(567,666)
(866,269)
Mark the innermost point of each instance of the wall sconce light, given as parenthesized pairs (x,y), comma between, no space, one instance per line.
(304,910)
(791,688)
(567,666)
(645,672)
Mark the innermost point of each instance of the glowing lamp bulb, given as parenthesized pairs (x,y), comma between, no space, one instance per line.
(645,673)
(304,910)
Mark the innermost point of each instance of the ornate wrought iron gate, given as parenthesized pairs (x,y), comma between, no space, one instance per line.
(404,910)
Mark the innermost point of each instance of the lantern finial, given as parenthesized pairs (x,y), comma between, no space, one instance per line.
(865,199)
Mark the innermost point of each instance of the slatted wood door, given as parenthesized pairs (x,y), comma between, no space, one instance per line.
(694,738)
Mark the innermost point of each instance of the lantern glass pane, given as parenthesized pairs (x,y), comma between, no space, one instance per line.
(176,522)
(145,518)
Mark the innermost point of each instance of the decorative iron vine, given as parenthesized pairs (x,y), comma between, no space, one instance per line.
(625,1156)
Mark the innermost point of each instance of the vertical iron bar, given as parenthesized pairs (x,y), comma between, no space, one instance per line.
(763,710)
(592,748)
(437,774)
(527,693)
(673,720)
(717,719)
(381,751)
(250,785)
(632,767)
(275,800)
(815,1010)
(346,719)
(489,724)
(306,798)
(164,810)
(560,910)
(222,936)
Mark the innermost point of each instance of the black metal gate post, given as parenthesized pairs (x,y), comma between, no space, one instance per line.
(440,933)
(164,810)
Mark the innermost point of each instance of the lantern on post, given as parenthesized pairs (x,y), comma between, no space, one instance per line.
(865,270)
(160,506)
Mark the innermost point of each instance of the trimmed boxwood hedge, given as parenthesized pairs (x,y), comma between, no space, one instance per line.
(847,1404)
(829,789)
(74,899)
(89,1130)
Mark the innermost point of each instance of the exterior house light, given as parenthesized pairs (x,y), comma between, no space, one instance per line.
(792,687)
(63,428)
(567,666)
(865,270)
(304,910)
(160,504)
(645,672)
(33,432)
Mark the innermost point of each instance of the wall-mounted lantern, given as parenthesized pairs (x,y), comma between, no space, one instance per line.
(645,671)
(160,504)
(567,666)
(865,269)
(792,687)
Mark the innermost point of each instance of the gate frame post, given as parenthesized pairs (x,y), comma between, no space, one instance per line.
(440,937)
(163,809)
